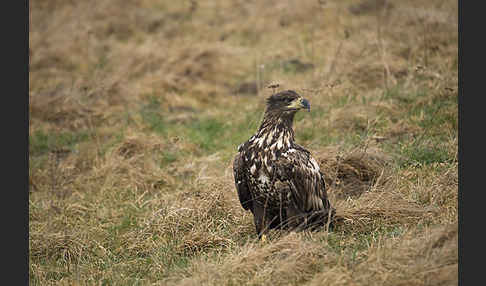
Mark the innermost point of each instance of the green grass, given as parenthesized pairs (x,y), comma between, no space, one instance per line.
(435,115)
(344,100)
(419,153)
(153,117)
(361,241)
(41,142)
(169,157)
(208,133)
(438,112)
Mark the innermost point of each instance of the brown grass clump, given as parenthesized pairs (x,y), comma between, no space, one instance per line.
(61,107)
(428,258)
(355,172)
(201,220)
(289,260)
(380,208)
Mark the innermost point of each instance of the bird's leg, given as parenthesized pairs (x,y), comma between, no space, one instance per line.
(263,238)
(261,221)
(294,221)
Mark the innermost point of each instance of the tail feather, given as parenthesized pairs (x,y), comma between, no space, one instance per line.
(313,220)
(321,218)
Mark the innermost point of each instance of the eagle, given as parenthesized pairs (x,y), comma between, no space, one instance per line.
(278,180)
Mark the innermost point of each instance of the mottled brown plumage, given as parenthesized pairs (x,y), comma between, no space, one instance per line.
(275,178)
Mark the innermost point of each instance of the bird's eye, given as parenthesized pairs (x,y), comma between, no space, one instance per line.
(288,99)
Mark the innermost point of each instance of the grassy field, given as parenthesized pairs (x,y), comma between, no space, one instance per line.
(137,108)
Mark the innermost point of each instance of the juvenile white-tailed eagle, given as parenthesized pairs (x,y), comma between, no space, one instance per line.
(275,178)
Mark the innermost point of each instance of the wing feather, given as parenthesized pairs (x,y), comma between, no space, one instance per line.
(241,182)
(306,181)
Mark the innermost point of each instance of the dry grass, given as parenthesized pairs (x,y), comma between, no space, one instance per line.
(137,107)
(427,259)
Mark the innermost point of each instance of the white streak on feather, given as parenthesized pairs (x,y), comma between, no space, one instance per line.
(263,178)
(314,164)
(253,169)
(269,138)
(260,142)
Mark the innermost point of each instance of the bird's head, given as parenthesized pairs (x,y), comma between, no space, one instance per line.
(287,102)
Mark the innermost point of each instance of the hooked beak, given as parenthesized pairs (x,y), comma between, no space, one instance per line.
(305,104)
(299,103)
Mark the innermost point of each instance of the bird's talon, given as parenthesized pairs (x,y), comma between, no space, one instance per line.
(263,238)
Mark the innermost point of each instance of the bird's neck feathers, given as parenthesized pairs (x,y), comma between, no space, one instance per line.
(273,118)
(276,130)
